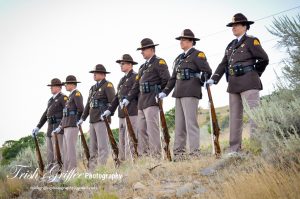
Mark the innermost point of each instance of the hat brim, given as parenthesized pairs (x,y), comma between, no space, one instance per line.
(71,82)
(148,46)
(240,22)
(133,62)
(186,37)
(55,84)
(97,71)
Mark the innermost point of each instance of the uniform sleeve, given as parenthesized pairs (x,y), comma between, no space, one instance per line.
(86,111)
(79,104)
(171,83)
(203,66)
(43,120)
(135,90)
(114,104)
(258,52)
(110,92)
(220,70)
(163,73)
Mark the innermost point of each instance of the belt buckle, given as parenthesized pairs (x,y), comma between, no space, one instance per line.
(231,71)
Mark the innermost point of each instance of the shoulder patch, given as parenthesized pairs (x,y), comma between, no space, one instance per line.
(256,42)
(109,85)
(66,98)
(162,62)
(201,55)
(78,94)
(137,77)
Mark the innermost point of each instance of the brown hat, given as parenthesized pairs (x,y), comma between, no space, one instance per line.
(187,34)
(99,68)
(146,43)
(71,79)
(239,18)
(55,82)
(126,58)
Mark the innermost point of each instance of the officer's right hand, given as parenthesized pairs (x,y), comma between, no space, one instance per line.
(162,95)
(210,82)
(79,122)
(105,114)
(125,102)
(57,130)
(35,131)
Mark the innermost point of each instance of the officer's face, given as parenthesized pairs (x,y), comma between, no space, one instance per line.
(99,76)
(125,67)
(147,53)
(70,87)
(238,29)
(185,44)
(55,89)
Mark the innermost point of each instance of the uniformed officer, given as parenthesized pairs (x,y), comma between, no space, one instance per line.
(244,62)
(125,146)
(101,95)
(71,114)
(152,77)
(187,79)
(53,115)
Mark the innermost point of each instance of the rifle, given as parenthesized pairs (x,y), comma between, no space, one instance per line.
(84,144)
(57,151)
(131,133)
(214,124)
(39,156)
(113,143)
(166,134)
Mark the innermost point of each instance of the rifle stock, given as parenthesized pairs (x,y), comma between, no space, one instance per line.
(39,156)
(166,134)
(84,144)
(133,139)
(113,143)
(215,125)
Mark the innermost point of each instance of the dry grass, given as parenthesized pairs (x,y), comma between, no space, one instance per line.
(12,188)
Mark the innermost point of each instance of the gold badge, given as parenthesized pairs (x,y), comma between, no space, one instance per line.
(65,98)
(256,42)
(137,77)
(99,89)
(162,62)
(201,55)
(242,45)
(77,94)
(109,85)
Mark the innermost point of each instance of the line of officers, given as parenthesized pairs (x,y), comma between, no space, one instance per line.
(243,64)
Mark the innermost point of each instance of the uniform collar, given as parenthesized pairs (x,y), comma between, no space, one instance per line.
(240,37)
(151,59)
(55,95)
(129,73)
(186,52)
(73,91)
